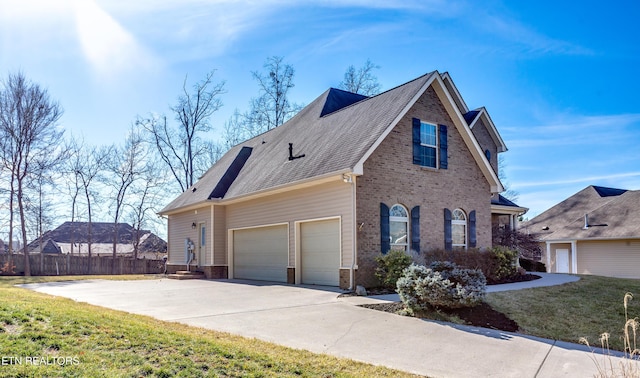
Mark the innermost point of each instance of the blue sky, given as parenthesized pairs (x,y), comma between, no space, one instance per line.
(559,79)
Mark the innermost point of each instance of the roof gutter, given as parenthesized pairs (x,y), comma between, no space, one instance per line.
(565,240)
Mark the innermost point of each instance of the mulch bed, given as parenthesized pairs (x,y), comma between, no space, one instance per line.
(482,315)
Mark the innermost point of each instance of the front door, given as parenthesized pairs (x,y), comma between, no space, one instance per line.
(202,245)
(562,261)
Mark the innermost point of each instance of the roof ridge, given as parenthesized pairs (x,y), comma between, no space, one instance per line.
(383,93)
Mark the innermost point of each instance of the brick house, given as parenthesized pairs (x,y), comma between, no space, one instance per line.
(348,178)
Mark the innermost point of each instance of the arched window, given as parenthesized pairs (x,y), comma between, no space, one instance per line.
(399,227)
(459,229)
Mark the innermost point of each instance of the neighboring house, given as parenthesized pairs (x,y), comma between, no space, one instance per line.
(595,231)
(317,199)
(73,238)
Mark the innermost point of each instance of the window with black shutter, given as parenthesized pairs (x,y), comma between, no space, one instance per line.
(429,144)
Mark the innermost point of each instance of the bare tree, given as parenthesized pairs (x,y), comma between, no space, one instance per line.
(146,197)
(41,185)
(361,80)
(72,168)
(508,193)
(28,120)
(181,148)
(238,129)
(87,165)
(525,243)
(272,107)
(124,167)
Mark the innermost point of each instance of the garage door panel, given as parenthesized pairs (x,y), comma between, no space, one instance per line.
(320,252)
(261,253)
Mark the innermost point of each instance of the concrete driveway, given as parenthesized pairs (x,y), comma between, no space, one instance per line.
(315,319)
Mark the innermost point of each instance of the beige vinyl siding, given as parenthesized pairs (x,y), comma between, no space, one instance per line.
(554,247)
(331,199)
(219,236)
(615,258)
(180,228)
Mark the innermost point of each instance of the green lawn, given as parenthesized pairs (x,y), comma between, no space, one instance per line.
(46,336)
(586,308)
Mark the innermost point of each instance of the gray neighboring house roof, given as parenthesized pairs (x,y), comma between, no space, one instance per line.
(335,133)
(503,201)
(101,232)
(608,213)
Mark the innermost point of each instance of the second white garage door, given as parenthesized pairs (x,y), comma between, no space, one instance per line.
(320,252)
(261,253)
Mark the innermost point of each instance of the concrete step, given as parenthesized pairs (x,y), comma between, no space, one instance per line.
(186,275)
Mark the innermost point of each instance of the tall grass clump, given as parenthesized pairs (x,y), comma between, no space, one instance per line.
(627,365)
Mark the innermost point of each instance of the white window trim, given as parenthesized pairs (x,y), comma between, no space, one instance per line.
(434,146)
(464,223)
(402,220)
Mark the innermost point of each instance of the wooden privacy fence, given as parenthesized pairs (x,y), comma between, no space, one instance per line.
(52,265)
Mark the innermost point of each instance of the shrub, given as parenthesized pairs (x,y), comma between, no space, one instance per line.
(442,285)
(533,266)
(497,264)
(391,266)
(505,263)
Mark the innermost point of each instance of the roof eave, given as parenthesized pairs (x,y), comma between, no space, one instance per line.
(493,130)
(508,209)
(569,240)
(191,206)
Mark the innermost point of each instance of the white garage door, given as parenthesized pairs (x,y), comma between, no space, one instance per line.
(320,252)
(261,253)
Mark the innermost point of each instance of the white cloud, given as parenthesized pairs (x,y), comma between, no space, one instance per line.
(574,130)
(588,179)
(107,46)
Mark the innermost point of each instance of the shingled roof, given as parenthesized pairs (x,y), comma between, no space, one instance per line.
(608,213)
(101,233)
(335,133)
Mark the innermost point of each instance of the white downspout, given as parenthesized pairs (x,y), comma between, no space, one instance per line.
(355,234)
(574,256)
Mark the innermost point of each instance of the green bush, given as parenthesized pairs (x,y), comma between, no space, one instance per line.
(391,266)
(533,266)
(505,263)
(497,264)
(442,285)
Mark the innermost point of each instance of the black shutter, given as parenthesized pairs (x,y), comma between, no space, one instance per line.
(472,229)
(417,148)
(385,242)
(448,240)
(415,229)
(443,146)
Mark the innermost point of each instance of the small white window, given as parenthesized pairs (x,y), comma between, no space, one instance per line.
(459,229)
(399,227)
